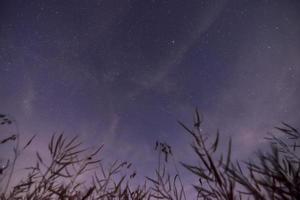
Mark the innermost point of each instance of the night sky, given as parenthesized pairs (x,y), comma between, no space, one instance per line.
(122,72)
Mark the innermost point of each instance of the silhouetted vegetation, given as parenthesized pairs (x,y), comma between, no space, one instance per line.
(73,172)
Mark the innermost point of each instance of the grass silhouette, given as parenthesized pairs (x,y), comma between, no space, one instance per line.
(275,174)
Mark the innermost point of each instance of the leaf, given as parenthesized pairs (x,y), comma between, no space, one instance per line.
(39,157)
(191,132)
(13,137)
(29,142)
(89,192)
(228,155)
(215,144)
(290,127)
(197,120)
(152,180)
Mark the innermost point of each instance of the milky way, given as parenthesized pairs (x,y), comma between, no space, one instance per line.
(123,72)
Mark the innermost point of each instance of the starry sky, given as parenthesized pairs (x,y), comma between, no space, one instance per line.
(122,72)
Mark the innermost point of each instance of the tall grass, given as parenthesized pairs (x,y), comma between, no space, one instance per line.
(274,174)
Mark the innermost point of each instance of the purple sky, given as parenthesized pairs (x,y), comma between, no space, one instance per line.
(123,72)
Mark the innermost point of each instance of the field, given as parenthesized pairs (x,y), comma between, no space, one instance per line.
(273,174)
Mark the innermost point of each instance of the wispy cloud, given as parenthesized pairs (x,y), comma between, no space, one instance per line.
(179,49)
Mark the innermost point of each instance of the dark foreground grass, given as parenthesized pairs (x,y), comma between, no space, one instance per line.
(275,174)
